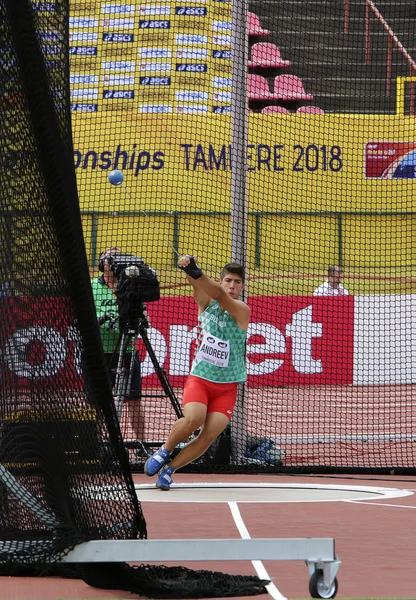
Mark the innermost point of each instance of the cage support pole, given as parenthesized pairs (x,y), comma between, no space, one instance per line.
(239,197)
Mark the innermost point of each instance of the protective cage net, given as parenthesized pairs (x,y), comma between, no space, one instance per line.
(64,472)
(321,166)
(317,206)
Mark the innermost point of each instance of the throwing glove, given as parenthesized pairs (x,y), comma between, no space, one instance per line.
(192,269)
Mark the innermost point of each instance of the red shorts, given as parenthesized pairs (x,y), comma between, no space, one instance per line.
(217,397)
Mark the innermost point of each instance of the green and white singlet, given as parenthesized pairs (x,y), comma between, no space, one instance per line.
(220,355)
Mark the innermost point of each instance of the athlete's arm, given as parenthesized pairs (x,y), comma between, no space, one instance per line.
(201,298)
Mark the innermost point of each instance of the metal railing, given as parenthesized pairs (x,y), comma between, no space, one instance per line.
(392,41)
(257,216)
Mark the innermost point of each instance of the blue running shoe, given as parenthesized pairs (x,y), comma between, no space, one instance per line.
(156,462)
(165,479)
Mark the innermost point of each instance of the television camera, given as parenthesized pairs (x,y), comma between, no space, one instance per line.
(137,285)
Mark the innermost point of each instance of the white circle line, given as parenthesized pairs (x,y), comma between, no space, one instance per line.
(383,504)
(386,493)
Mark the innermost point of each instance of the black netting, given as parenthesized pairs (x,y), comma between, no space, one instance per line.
(311,167)
(57,415)
(306,179)
(64,473)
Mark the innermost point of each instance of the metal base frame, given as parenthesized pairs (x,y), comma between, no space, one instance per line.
(318,553)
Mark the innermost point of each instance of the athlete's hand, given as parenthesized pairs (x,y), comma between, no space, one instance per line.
(185,260)
(189,265)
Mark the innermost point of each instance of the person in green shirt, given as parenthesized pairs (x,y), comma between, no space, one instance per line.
(103,289)
(218,366)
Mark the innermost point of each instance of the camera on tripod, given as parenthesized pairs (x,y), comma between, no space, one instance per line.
(137,284)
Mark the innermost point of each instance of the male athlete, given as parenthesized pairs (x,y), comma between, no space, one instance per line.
(210,391)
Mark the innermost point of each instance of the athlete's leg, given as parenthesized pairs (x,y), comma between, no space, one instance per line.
(194,414)
(219,411)
(195,401)
(214,424)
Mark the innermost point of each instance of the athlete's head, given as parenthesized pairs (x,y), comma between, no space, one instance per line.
(232,279)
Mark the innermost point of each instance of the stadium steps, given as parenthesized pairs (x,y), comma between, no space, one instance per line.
(331,63)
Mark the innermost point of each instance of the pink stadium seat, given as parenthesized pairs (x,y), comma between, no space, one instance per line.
(289,87)
(311,110)
(254,27)
(267,110)
(258,88)
(265,54)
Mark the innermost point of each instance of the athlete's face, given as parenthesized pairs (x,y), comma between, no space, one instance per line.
(233,284)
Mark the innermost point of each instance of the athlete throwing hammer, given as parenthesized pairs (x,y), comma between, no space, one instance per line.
(218,366)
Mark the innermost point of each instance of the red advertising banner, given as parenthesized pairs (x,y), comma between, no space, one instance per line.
(292,341)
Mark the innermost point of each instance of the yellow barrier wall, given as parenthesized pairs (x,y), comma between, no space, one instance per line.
(299,163)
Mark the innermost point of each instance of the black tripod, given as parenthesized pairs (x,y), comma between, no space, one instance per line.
(123,379)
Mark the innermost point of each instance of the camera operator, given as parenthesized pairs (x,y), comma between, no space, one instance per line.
(103,288)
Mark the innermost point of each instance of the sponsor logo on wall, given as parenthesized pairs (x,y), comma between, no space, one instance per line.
(118,79)
(84,107)
(191,68)
(83,51)
(118,94)
(390,160)
(191,96)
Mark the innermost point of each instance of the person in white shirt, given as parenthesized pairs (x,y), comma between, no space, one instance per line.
(332,286)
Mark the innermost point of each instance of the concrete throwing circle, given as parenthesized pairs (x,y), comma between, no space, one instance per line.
(265,492)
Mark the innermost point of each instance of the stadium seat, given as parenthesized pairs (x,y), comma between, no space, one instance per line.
(258,88)
(265,54)
(289,87)
(254,27)
(267,110)
(311,110)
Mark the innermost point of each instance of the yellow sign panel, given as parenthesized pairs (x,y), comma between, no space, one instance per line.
(299,163)
(142,55)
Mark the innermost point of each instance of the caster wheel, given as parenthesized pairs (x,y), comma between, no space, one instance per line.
(318,589)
